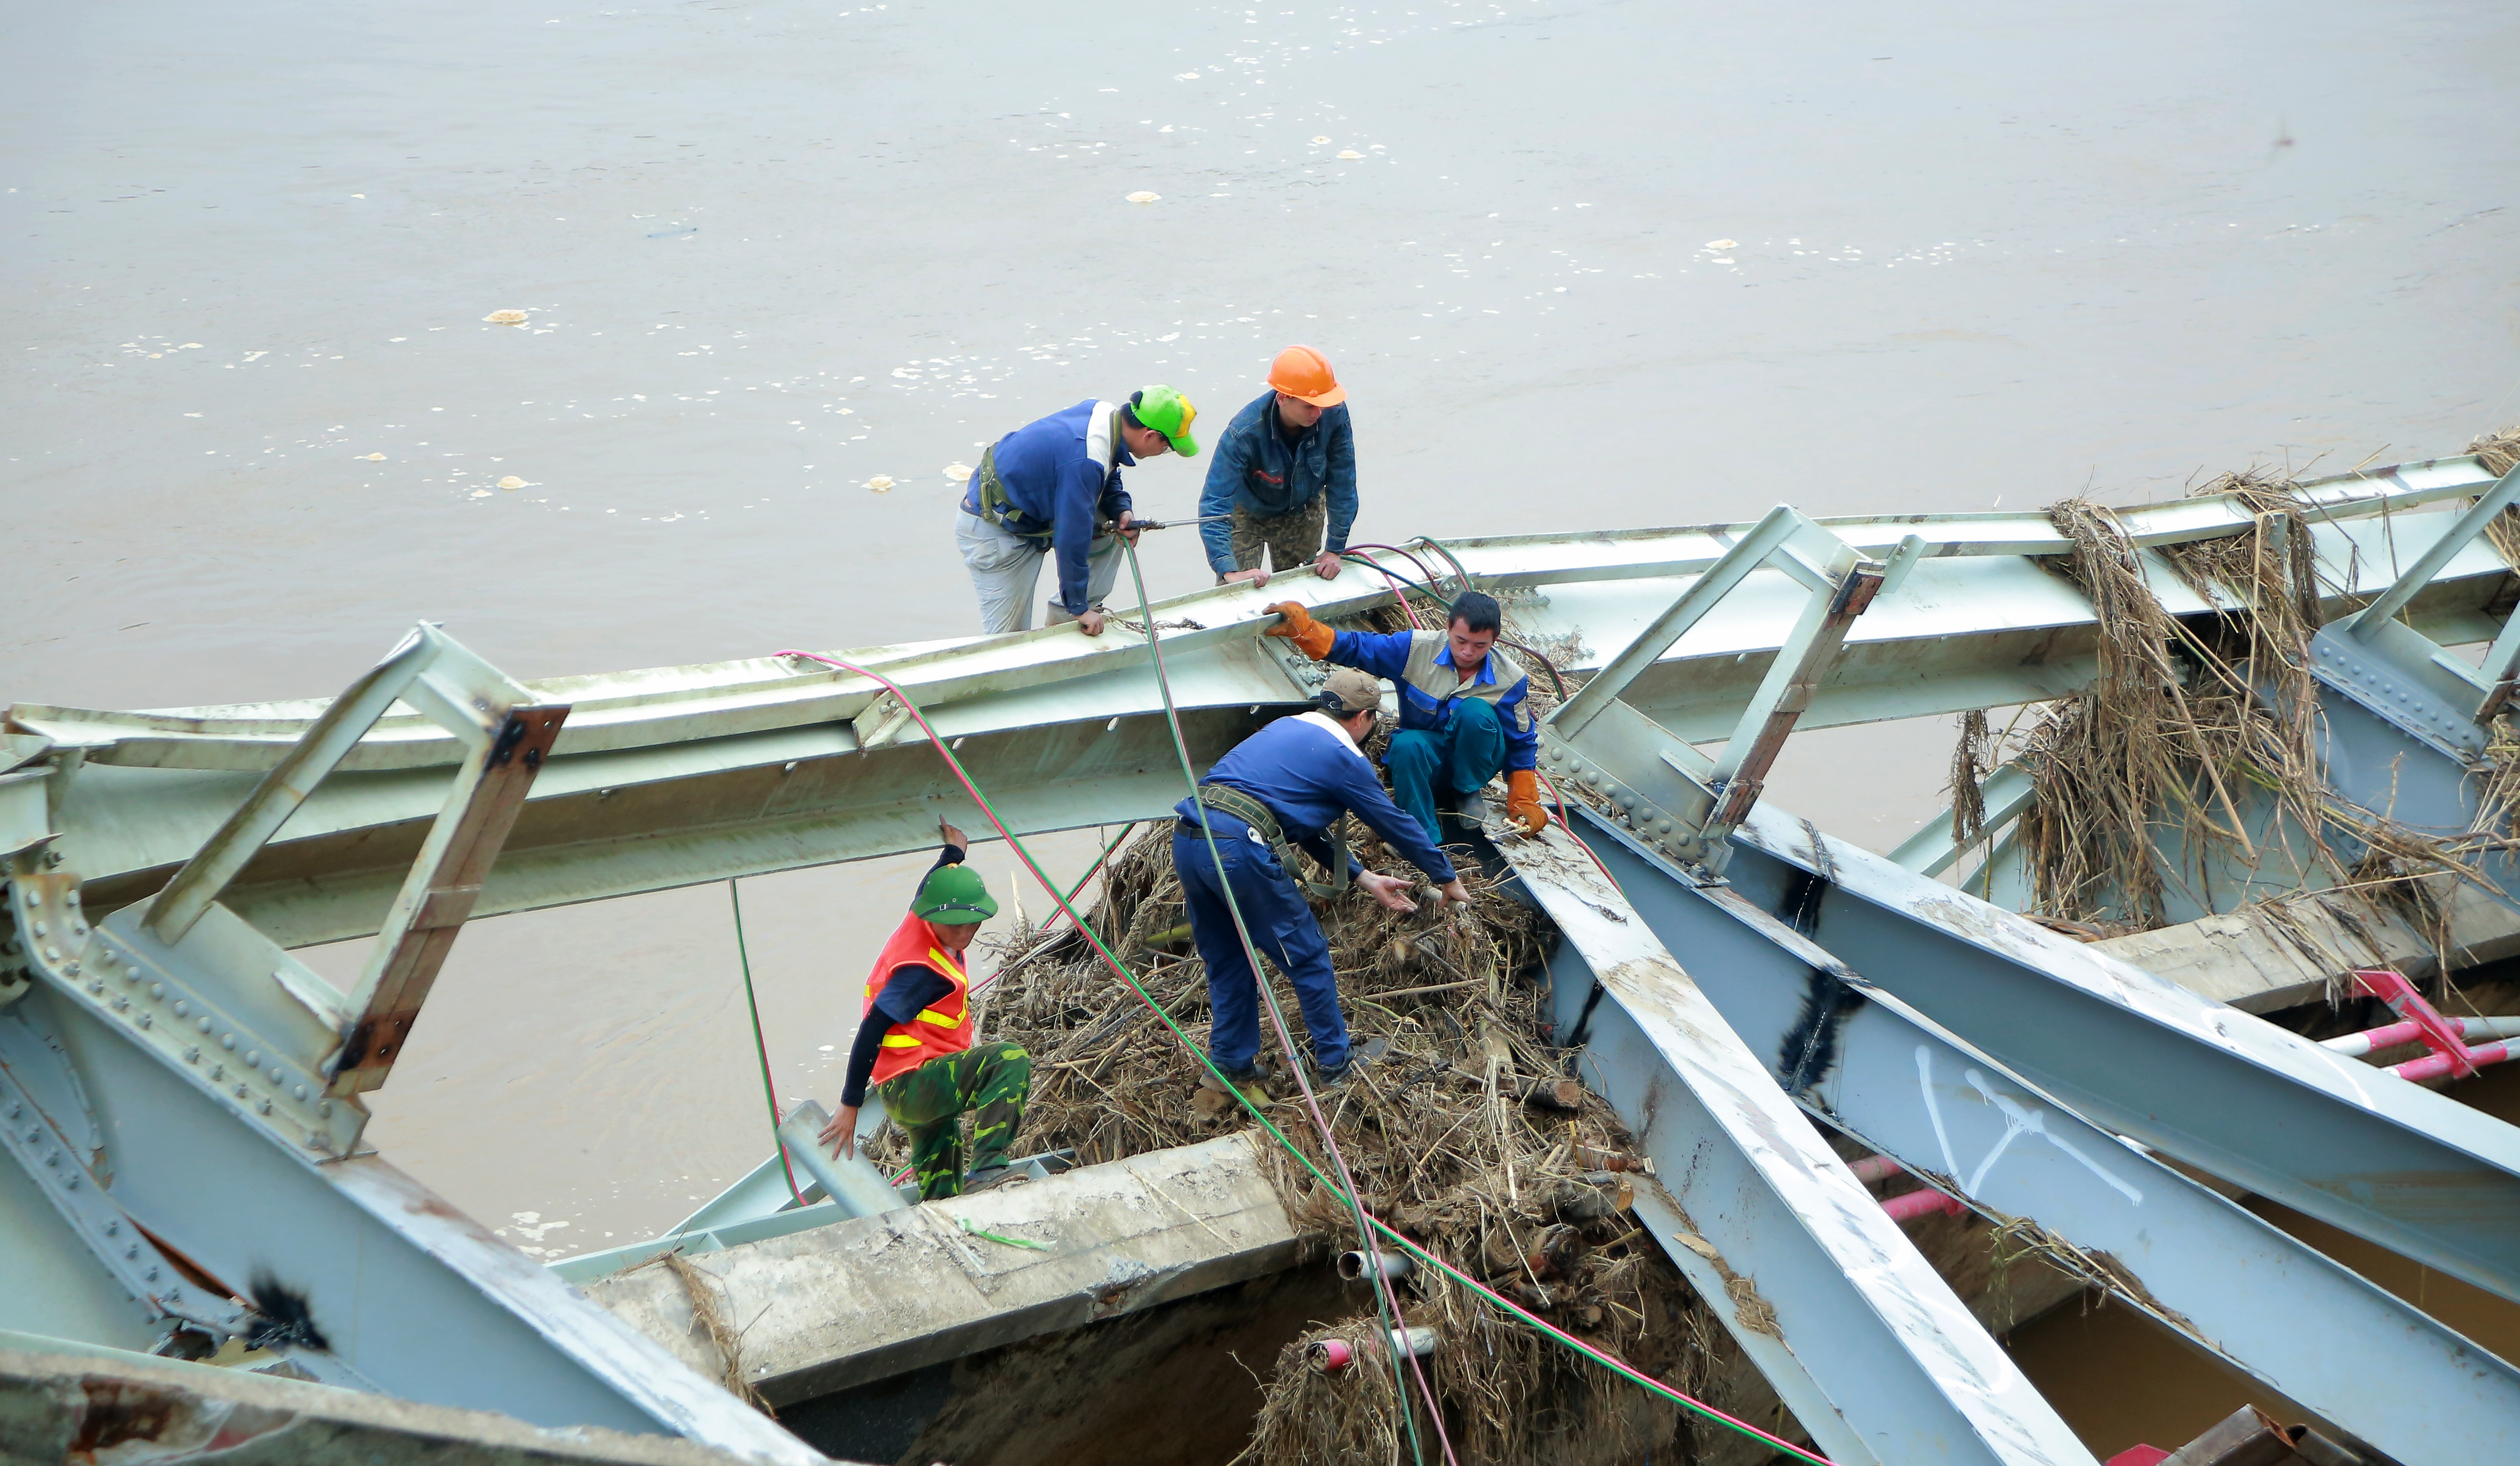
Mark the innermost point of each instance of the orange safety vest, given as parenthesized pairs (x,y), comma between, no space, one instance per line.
(942,1027)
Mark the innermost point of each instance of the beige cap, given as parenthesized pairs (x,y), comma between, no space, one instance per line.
(1349,692)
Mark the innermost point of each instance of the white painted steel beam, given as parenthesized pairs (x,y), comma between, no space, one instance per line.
(2217,1089)
(680,774)
(1862,1339)
(2231,1284)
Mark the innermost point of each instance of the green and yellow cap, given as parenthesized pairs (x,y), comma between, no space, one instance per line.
(952,896)
(1169,413)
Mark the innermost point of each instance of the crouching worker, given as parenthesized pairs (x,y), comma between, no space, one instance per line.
(1284,786)
(914,1044)
(1465,710)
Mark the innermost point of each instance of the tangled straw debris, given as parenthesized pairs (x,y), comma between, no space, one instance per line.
(2187,779)
(1467,1135)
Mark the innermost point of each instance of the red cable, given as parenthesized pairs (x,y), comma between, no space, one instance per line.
(1399,588)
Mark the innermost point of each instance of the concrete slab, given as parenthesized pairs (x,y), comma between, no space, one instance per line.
(872,1297)
(61,1407)
(2266,958)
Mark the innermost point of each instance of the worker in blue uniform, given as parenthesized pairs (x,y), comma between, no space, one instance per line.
(1279,788)
(1053,486)
(1465,709)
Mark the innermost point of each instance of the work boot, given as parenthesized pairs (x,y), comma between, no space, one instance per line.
(1358,1056)
(1247,1082)
(1472,811)
(990,1178)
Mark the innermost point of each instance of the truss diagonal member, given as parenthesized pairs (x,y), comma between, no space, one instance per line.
(1863,1341)
(1691,805)
(505,734)
(2201,1083)
(2096,1207)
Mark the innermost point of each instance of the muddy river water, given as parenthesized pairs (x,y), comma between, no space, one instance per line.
(1580,264)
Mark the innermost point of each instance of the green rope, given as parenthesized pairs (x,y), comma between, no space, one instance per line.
(1383,1302)
(761,1045)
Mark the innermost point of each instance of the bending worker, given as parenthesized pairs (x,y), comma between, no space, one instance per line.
(1281,787)
(915,1041)
(1055,485)
(1285,474)
(1465,709)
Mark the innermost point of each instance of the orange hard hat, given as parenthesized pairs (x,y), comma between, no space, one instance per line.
(1302,371)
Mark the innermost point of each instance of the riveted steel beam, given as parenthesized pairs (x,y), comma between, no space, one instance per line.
(1866,1063)
(1862,1339)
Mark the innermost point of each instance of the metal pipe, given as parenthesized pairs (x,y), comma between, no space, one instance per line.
(2437,1065)
(1330,1356)
(1352,1264)
(854,1186)
(2389,1035)
(1922,1202)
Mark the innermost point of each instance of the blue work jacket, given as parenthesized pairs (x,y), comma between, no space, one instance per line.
(1062,475)
(1420,664)
(1257,470)
(1308,773)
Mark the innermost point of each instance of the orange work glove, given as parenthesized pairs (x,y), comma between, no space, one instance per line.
(1311,638)
(1522,801)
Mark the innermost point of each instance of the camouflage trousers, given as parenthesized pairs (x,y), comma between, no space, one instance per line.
(1292,540)
(988,1081)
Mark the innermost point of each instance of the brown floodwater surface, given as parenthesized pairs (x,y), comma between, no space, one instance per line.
(1579,264)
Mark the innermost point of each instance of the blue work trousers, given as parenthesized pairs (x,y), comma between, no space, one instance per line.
(1282,927)
(1458,758)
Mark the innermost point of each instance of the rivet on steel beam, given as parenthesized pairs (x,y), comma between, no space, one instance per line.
(193,1055)
(275,1074)
(52,954)
(145,1020)
(157,989)
(264,1107)
(151,1275)
(788,767)
(218,1072)
(96,985)
(300,1092)
(183,1009)
(112,1225)
(240,1092)
(228,1041)
(325,1109)
(205,1023)
(70,969)
(69,1182)
(42,930)
(253,1058)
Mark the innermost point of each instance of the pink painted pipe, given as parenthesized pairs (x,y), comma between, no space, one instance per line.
(2437,1065)
(1921,1202)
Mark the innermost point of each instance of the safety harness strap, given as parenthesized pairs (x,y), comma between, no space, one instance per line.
(1226,799)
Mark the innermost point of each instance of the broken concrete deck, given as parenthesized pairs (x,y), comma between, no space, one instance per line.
(112,1405)
(865,1299)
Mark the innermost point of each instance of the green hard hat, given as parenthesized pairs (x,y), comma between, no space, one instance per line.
(1169,413)
(952,896)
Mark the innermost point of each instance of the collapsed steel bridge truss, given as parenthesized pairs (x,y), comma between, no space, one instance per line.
(183,1096)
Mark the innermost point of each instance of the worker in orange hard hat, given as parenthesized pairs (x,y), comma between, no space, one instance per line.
(1284,472)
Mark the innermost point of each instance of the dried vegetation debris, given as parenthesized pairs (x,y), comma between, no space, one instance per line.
(1467,1135)
(2187,776)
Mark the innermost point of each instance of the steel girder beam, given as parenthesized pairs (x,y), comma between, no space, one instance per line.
(192,1140)
(756,780)
(2204,1084)
(419,1300)
(1863,1062)
(1862,1339)
(675,704)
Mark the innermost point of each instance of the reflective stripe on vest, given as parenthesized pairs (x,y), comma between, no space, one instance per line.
(1428,684)
(941,1028)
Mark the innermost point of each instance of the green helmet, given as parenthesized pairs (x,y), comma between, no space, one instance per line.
(952,896)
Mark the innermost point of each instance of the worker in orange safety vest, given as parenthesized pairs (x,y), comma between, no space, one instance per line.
(914,1042)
